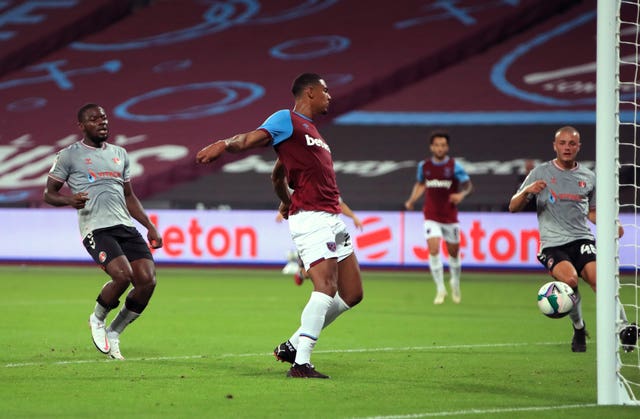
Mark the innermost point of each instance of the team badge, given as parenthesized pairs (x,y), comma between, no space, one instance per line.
(582,183)
(87,161)
(102,256)
(332,246)
(549,263)
(116,160)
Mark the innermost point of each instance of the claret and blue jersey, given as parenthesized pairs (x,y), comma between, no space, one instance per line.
(441,179)
(307,159)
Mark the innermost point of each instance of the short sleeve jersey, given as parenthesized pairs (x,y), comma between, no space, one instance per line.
(101,172)
(564,204)
(440,179)
(307,159)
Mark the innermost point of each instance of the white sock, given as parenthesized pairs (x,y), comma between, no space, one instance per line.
(455,269)
(124,318)
(100,312)
(576,312)
(337,308)
(435,265)
(311,322)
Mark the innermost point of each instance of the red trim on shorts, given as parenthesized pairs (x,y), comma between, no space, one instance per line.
(315,262)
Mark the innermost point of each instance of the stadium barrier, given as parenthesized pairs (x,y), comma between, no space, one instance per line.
(490,240)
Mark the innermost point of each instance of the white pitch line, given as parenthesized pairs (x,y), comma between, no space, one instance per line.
(245,355)
(481,411)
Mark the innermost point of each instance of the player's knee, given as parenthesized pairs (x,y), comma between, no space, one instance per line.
(354,299)
(122,277)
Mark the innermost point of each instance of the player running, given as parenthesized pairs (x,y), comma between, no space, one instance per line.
(444,183)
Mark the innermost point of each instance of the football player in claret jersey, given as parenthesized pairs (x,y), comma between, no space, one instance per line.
(320,236)
(98,175)
(444,184)
(565,196)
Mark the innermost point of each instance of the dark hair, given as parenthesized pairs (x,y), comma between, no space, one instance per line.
(303,81)
(438,133)
(84,109)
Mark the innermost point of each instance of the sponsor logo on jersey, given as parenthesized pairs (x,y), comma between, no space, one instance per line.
(107,174)
(316,142)
(438,183)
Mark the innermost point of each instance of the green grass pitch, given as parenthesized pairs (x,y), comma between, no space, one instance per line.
(203,349)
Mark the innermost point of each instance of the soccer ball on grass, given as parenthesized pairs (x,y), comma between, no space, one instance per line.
(556,299)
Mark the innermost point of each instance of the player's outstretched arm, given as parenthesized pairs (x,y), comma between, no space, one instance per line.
(236,144)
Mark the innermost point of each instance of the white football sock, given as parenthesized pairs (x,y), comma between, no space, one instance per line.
(122,320)
(435,265)
(576,312)
(100,312)
(337,308)
(311,322)
(455,269)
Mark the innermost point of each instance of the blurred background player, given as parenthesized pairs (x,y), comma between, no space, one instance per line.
(313,211)
(565,196)
(98,175)
(444,184)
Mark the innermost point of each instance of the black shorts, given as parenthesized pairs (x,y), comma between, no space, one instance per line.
(106,244)
(579,253)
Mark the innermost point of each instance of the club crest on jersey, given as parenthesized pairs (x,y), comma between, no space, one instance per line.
(332,246)
(102,256)
(582,183)
(116,160)
(549,263)
(87,161)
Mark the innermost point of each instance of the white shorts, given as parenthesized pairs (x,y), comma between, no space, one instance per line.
(449,232)
(318,236)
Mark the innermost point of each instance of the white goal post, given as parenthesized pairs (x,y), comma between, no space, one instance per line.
(618,381)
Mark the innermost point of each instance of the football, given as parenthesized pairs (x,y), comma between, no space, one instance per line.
(555,299)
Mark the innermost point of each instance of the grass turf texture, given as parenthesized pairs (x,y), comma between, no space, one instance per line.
(203,349)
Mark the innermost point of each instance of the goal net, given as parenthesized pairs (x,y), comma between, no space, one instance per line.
(618,198)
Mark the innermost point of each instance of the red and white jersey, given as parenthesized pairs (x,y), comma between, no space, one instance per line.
(307,159)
